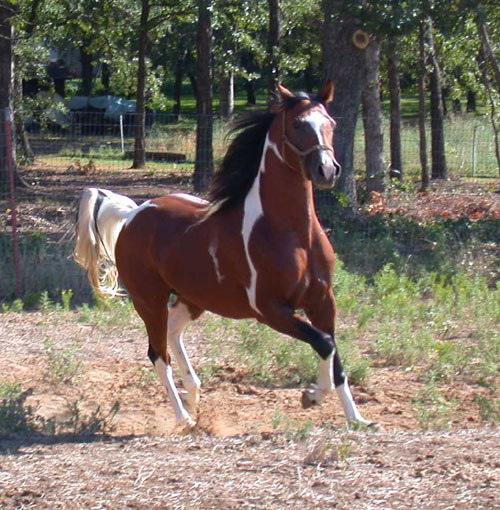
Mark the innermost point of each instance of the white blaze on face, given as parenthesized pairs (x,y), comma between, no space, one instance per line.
(316,120)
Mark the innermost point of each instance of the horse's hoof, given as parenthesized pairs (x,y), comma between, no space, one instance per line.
(189,402)
(363,424)
(308,399)
(185,425)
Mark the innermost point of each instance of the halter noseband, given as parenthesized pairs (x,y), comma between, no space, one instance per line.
(302,154)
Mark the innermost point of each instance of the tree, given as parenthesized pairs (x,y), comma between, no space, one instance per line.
(396,164)
(7,10)
(345,63)
(273,44)
(421,108)
(372,116)
(204,155)
(438,156)
(140,115)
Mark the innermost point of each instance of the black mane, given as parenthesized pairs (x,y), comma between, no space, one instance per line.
(232,182)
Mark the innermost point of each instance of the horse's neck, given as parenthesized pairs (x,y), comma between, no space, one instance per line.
(283,195)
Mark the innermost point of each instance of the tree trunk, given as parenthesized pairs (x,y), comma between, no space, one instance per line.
(179,75)
(396,165)
(226,94)
(87,72)
(486,46)
(372,115)
(421,109)
(204,156)
(273,44)
(345,65)
(140,115)
(105,78)
(439,170)
(6,91)
(471,102)
(250,90)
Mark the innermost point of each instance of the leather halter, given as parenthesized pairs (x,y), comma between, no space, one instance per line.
(302,154)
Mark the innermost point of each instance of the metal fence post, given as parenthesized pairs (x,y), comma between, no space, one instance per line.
(474,158)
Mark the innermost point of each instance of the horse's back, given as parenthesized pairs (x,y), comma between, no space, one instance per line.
(153,230)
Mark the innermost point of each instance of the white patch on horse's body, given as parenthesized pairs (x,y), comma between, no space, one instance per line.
(112,215)
(136,211)
(166,377)
(252,212)
(274,148)
(190,198)
(212,250)
(178,317)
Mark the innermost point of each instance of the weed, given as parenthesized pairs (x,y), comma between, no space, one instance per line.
(63,364)
(356,366)
(15,415)
(97,422)
(291,428)
(66,296)
(16,306)
(433,409)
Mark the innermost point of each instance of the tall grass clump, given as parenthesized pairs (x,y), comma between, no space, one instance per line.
(15,415)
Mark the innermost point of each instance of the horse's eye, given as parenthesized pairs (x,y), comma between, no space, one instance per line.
(297,124)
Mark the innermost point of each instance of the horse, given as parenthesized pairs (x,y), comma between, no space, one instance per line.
(254,249)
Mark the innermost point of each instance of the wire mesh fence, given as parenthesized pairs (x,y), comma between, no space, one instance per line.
(61,154)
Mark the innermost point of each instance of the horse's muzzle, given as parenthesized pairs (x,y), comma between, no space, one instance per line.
(325,172)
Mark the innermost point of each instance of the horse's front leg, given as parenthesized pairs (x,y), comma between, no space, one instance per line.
(331,372)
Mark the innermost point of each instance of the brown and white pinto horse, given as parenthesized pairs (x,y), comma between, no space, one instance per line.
(255,250)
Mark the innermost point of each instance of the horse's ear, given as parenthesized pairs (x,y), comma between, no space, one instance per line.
(280,97)
(284,92)
(326,93)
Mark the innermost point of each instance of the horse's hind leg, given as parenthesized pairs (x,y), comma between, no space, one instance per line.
(154,313)
(178,317)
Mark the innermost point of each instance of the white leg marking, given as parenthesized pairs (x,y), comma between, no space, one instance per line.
(212,250)
(324,385)
(178,317)
(348,405)
(164,372)
(252,212)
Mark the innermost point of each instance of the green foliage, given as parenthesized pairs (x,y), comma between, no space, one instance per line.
(15,415)
(489,408)
(82,424)
(63,364)
(269,357)
(292,429)
(433,409)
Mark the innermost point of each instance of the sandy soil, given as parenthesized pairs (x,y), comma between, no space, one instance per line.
(238,456)
(250,449)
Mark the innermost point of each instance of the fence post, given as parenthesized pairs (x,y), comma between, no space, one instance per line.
(121,134)
(7,114)
(474,152)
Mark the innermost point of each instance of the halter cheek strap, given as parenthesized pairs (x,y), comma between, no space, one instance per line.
(302,154)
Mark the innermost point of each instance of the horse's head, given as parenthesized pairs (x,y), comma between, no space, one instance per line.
(307,135)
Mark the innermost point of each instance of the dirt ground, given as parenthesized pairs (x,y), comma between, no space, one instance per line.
(254,446)
(238,456)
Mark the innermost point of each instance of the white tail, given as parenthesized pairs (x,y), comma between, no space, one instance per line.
(101,215)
